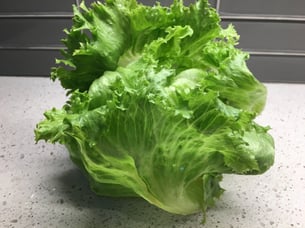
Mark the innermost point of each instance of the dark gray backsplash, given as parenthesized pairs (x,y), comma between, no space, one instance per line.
(270,36)
(18,62)
(31,32)
(263,7)
(22,6)
(272,31)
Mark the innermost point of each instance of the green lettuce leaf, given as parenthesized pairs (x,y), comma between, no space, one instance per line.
(161,104)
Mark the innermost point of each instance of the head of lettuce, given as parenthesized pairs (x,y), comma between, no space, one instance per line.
(160,104)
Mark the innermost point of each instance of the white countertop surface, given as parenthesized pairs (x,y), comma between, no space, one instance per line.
(41,187)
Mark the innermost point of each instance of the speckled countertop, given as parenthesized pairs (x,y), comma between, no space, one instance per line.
(40,187)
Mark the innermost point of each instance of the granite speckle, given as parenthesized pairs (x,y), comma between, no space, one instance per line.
(39,181)
(14,221)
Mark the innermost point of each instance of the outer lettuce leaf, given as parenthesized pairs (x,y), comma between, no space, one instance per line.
(161,104)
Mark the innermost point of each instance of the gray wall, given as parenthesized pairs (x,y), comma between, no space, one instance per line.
(30,33)
(272,31)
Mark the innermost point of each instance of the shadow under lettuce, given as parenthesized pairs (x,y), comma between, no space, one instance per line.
(114,212)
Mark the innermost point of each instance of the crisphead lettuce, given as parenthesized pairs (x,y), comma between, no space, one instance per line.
(161,103)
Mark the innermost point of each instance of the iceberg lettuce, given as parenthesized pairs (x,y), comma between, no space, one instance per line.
(161,103)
